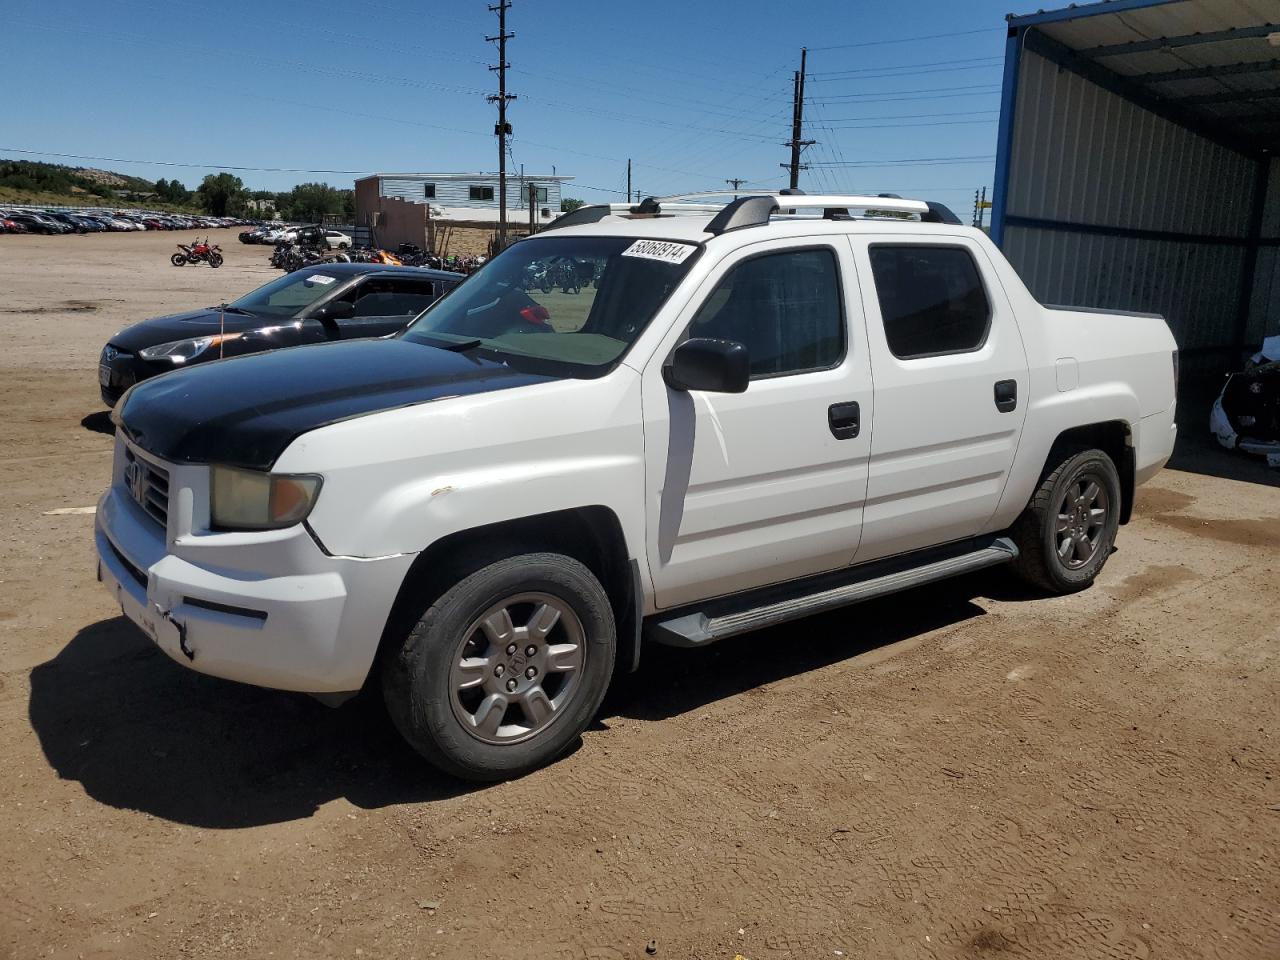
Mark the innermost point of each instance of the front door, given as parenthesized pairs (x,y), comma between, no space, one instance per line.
(951,389)
(764,486)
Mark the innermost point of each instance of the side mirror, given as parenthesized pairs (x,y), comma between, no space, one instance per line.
(336,310)
(717,366)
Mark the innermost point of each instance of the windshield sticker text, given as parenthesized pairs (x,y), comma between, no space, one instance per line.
(321,279)
(662,250)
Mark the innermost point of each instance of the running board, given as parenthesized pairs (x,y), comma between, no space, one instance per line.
(697,629)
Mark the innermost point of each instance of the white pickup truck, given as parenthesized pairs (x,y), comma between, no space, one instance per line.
(750,412)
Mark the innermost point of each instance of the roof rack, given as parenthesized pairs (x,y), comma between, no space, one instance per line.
(757,209)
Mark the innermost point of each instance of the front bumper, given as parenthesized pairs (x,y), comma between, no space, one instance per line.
(118,371)
(267,608)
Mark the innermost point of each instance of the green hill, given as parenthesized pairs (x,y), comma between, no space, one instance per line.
(29,182)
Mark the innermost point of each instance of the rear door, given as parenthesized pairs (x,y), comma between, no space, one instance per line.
(950,389)
(385,305)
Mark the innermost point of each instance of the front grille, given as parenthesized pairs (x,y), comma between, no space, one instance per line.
(148,484)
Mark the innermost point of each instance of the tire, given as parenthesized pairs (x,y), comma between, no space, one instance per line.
(1064,516)
(178,260)
(441,706)
(215,260)
(342,246)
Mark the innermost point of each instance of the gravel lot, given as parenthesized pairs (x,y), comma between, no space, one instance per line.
(962,771)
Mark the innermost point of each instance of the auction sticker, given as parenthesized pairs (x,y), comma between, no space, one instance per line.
(321,279)
(663,250)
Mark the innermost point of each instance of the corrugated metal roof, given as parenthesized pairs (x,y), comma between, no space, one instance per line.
(1230,71)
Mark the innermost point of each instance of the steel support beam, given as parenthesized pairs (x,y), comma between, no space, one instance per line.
(1190,39)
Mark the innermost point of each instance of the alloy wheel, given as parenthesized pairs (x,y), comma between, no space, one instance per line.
(517,666)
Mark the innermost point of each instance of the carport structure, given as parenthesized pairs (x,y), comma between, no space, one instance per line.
(1136,169)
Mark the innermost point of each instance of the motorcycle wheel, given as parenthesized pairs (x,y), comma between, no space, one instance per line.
(178,260)
(544,286)
(215,260)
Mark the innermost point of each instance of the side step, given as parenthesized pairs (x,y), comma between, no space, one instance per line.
(770,606)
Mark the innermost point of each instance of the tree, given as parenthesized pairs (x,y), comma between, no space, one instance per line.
(314,201)
(171,191)
(569,204)
(221,194)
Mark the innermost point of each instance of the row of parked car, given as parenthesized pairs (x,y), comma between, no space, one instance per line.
(275,233)
(97,221)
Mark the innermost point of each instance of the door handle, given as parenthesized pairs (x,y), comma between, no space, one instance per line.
(1006,395)
(845,420)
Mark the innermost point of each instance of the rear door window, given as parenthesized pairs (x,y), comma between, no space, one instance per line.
(394,297)
(932,299)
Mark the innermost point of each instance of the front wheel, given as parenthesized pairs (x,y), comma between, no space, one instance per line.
(1067,531)
(503,672)
(178,260)
(215,260)
(342,246)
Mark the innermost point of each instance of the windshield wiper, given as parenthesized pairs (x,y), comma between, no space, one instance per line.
(453,346)
(231,309)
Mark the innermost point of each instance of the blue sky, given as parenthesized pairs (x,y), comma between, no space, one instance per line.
(693,92)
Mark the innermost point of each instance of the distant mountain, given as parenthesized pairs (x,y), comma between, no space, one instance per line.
(29,181)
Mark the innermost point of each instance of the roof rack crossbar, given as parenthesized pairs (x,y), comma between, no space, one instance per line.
(743,212)
(576,218)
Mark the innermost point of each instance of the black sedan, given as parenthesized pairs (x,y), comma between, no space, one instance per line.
(331,301)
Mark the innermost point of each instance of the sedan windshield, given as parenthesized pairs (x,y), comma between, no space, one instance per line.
(287,296)
(574,303)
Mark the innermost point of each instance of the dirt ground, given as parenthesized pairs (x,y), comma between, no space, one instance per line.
(964,771)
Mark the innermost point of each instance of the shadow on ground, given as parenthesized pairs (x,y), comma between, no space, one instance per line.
(673,681)
(140,732)
(99,422)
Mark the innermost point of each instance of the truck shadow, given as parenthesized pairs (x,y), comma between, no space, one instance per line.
(139,732)
(673,681)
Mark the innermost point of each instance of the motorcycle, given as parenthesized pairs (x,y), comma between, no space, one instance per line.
(196,252)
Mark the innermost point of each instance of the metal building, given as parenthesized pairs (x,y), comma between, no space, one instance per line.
(1135,169)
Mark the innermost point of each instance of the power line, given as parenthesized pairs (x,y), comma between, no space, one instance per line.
(913,161)
(905,66)
(952,88)
(891,73)
(913,116)
(880,43)
(902,126)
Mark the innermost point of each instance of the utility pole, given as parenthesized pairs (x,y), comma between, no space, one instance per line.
(533,208)
(502,128)
(735,182)
(797,143)
(628,179)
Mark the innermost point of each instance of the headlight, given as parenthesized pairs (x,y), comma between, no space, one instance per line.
(180,351)
(248,500)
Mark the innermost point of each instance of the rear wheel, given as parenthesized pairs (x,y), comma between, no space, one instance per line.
(1067,531)
(502,673)
(178,259)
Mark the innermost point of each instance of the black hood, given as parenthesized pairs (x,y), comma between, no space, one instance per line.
(245,411)
(180,326)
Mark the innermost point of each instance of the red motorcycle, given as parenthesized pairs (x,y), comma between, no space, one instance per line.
(207,252)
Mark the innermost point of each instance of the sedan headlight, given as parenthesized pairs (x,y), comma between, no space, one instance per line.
(180,351)
(249,500)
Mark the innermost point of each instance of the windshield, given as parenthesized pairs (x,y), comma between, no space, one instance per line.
(578,302)
(288,296)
